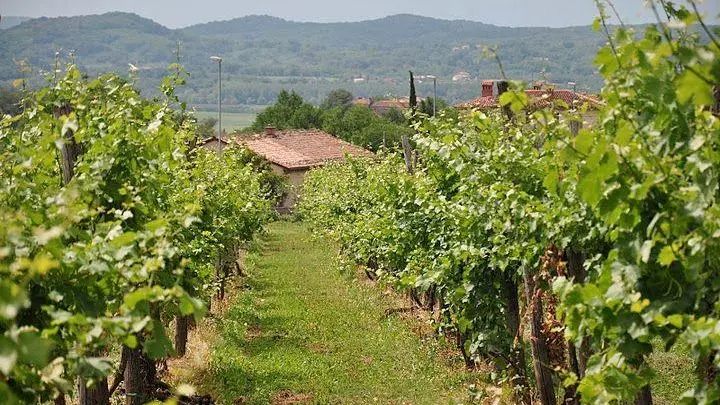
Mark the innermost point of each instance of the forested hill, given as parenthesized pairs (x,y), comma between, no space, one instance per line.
(11,21)
(263,54)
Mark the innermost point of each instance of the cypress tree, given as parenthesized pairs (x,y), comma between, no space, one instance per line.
(413,96)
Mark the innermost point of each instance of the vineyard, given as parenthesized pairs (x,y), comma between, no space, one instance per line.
(115,230)
(565,256)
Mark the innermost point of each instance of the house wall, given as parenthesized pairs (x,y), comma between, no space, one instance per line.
(213,145)
(589,117)
(295,178)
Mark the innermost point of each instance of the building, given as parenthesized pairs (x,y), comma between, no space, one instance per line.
(461,77)
(382,107)
(540,96)
(292,153)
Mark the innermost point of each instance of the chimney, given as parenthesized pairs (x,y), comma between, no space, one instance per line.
(270,131)
(487,88)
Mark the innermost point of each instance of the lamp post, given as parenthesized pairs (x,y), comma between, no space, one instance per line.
(574,86)
(219,61)
(434,79)
(574,124)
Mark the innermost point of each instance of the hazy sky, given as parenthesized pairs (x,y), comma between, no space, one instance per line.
(177,13)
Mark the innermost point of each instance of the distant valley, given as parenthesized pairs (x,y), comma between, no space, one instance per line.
(262,55)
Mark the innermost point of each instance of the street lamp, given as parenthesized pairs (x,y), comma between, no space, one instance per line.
(574,124)
(574,86)
(219,61)
(434,79)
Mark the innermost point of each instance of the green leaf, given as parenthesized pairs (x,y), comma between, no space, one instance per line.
(666,256)
(126,238)
(33,349)
(97,366)
(133,298)
(186,305)
(583,141)
(12,300)
(8,355)
(130,341)
(156,225)
(690,85)
(551,181)
(7,397)
(675,320)
(158,345)
(590,189)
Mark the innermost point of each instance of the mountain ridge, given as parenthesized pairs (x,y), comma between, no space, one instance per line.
(263,54)
(8,21)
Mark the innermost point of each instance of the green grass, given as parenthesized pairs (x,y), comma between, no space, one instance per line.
(231,121)
(303,331)
(675,373)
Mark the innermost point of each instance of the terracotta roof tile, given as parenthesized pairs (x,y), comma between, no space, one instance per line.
(544,98)
(300,149)
(481,103)
(538,99)
(363,101)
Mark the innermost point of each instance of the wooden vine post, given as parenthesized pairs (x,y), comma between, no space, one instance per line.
(182,323)
(540,355)
(140,370)
(70,152)
(517,357)
(577,359)
(407,153)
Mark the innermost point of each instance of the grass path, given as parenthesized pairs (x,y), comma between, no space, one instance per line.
(304,333)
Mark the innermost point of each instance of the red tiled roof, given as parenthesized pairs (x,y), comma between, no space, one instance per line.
(545,98)
(392,104)
(363,101)
(383,106)
(538,99)
(481,103)
(300,149)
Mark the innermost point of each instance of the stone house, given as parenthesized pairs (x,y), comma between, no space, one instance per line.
(292,153)
(382,107)
(541,95)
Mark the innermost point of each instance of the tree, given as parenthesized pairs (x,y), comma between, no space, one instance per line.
(289,111)
(206,128)
(413,95)
(10,101)
(338,98)
(361,126)
(395,116)
(426,106)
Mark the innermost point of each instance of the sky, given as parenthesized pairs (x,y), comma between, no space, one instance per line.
(179,13)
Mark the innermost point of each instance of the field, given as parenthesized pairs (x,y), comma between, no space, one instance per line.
(302,331)
(231,120)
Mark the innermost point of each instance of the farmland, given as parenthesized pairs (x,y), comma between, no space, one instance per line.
(231,120)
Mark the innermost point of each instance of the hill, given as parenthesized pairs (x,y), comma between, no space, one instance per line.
(8,21)
(264,54)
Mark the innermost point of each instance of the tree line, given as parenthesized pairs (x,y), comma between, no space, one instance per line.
(339,116)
